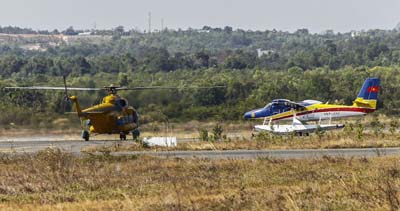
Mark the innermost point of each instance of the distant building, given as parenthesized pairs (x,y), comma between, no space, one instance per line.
(355,33)
(397,27)
(261,52)
(85,33)
(358,33)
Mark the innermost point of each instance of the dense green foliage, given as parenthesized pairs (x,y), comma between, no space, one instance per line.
(329,67)
(171,50)
(246,89)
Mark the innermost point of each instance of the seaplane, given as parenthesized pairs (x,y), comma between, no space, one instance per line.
(313,110)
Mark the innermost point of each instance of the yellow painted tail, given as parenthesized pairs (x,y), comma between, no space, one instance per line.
(360,102)
(74,99)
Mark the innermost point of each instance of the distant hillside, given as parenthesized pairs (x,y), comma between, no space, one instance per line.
(170,50)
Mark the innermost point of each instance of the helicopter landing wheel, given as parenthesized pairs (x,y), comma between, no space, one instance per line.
(135,134)
(85,135)
(122,137)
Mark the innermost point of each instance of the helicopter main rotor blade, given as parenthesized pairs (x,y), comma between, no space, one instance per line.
(168,87)
(107,88)
(53,88)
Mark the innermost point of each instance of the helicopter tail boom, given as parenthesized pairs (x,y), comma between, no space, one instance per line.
(78,109)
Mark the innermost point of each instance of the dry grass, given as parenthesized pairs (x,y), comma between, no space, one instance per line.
(267,141)
(238,136)
(53,180)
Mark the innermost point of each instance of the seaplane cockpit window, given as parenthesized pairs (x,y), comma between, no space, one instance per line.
(278,107)
(268,106)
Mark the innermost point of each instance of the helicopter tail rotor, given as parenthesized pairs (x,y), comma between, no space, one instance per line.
(66,97)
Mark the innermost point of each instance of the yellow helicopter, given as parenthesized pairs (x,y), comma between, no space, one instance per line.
(112,116)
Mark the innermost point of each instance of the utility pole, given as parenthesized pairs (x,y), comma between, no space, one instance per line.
(94,30)
(149,22)
(162,24)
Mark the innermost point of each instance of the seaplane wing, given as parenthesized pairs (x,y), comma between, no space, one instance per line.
(297,127)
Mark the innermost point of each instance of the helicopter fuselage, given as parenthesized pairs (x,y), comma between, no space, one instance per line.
(112,116)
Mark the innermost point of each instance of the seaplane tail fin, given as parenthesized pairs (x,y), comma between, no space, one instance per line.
(368,95)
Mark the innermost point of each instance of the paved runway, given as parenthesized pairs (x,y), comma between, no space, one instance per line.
(73,146)
(68,143)
(25,145)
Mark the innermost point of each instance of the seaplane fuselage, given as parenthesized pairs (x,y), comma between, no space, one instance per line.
(313,110)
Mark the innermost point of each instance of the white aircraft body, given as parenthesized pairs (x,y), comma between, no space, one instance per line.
(297,128)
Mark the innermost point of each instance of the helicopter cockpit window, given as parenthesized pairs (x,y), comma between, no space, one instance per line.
(122,102)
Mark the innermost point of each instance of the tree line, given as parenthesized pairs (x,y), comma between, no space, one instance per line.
(246,90)
(295,65)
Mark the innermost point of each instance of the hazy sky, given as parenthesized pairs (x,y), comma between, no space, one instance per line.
(316,15)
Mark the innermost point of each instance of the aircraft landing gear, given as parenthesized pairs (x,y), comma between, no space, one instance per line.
(85,135)
(122,136)
(299,134)
(302,134)
(135,134)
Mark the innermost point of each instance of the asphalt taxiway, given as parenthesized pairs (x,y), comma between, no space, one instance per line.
(36,144)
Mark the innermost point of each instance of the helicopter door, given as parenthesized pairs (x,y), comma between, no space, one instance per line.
(135,118)
(132,117)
